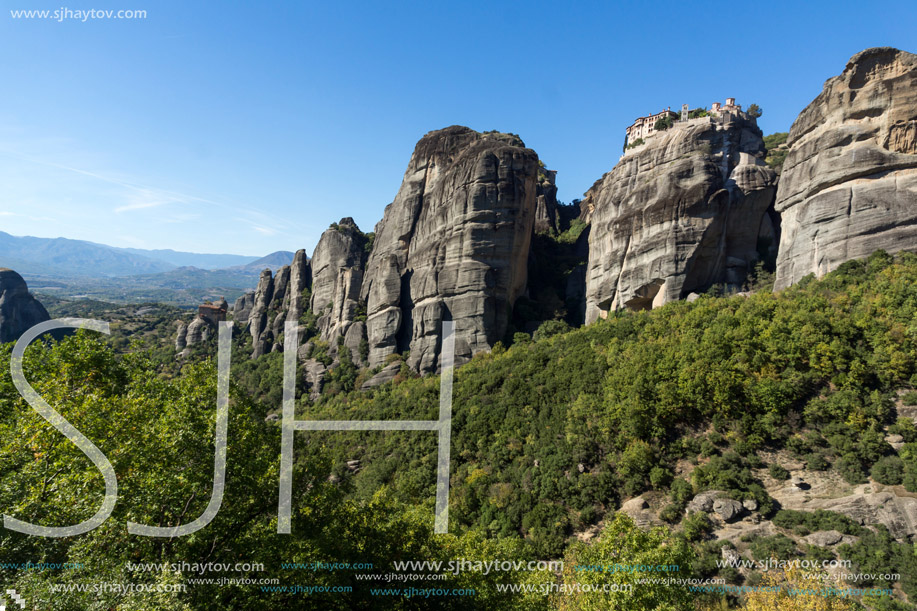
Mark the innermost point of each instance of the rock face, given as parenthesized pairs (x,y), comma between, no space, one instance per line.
(678,214)
(258,323)
(243,308)
(452,246)
(300,280)
(277,299)
(337,266)
(19,310)
(849,181)
(546,202)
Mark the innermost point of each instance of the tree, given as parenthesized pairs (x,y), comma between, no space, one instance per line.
(623,543)
(755,111)
(664,123)
(792,590)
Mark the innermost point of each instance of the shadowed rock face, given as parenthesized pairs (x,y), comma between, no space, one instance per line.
(546,202)
(19,310)
(677,215)
(849,182)
(452,246)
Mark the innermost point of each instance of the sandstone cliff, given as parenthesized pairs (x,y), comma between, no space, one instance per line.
(546,202)
(452,246)
(277,299)
(338,263)
(19,310)
(849,181)
(678,214)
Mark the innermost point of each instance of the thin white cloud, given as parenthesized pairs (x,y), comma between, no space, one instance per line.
(264,230)
(139,196)
(25,216)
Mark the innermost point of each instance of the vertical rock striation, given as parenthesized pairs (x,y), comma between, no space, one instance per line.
(849,181)
(278,298)
(678,214)
(338,263)
(453,245)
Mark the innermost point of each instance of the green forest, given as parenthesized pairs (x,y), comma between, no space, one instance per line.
(550,435)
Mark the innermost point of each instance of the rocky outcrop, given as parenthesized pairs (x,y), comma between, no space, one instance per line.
(385,375)
(199,330)
(19,310)
(242,309)
(181,336)
(849,181)
(314,373)
(453,245)
(680,213)
(278,298)
(546,202)
(258,323)
(300,279)
(338,263)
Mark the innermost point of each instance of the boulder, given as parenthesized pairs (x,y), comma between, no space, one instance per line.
(703,502)
(824,538)
(635,504)
(387,374)
(728,509)
(849,182)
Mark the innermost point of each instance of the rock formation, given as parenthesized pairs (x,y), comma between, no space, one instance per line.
(338,263)
(19,310)
(258,323)
(278,298)
(680,213)
(849,181)
(243,308)
(300,280)
(452,246)
(546,202)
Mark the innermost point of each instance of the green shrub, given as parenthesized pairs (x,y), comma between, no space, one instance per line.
(909,398)
(851,469)
(780,547)
(817,520)
(906,428)
(671,513)
(777,472)
(816,462)
(888,471)
(550,328)
(697,526)
(681,492)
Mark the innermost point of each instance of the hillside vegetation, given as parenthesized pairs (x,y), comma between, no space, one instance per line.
(548,437)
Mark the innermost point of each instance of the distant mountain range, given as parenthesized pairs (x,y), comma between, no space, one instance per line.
(56,256)
(78,269)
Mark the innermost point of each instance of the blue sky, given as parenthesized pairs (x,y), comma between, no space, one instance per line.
(247,127)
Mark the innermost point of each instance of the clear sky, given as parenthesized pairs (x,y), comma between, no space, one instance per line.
(247,127)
